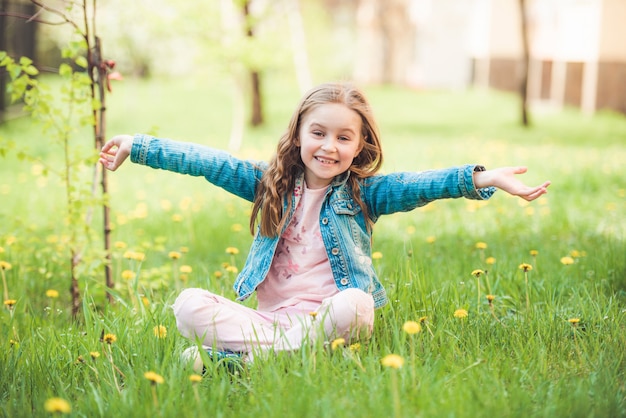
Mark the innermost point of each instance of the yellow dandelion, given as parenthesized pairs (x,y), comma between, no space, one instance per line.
(313,315)
(186,269)
(120,245)
(573,321)
(174,255)
(184,250)
(232,251)
(481,245)
(392,360)
(195,378)
(431,239)
(79,360)
(525,267)
(236,227)
(5,265)
(154,377)
(355,347)
(377,255)
(490,298)
(460,313)
(177,217)
(534,253)
(51,293)
(184,277)
(1,250)
(337,342)
(128,275)
(128,254)
(412,327)
(13,343)
(145,301)
(109,338)
(490,260)
(567,260)
(94,354)
(138,256)
(218,274)
(232,269)
(575,253)
(10,303)
(160,331)
(423,319)
(477,273)
(60,405)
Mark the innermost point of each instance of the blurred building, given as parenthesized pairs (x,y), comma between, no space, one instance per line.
(577,48)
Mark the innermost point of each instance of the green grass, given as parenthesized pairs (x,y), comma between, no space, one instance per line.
(513,361)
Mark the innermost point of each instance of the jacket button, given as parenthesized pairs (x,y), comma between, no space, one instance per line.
(344,281)
(335,251)
(325,221)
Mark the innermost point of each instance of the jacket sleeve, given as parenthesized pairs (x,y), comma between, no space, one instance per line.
(218,167)
(405,191)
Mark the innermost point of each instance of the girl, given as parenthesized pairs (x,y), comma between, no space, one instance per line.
(313,208)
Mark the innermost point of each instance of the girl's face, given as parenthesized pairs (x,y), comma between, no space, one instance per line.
(329,139)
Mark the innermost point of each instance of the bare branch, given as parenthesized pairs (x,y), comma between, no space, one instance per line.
(30,18)
(58,13)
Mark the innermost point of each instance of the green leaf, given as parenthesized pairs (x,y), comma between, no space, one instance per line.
(82,62)
(31,70)
(25,61)
(65,70)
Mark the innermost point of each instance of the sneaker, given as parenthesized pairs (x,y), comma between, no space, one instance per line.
(233,361)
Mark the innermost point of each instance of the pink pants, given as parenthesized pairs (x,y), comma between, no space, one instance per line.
(221,323)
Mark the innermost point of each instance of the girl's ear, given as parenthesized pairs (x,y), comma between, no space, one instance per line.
(296,141)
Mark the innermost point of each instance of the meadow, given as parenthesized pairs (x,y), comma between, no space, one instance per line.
(497,308)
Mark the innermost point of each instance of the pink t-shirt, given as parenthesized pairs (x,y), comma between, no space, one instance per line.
(300,276)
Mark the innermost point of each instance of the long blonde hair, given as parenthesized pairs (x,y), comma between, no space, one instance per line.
(284,167)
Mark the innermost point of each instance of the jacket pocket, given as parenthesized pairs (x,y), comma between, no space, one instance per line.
(345,207)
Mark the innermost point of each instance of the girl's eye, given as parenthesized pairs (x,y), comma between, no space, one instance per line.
(344,138)
(318,133)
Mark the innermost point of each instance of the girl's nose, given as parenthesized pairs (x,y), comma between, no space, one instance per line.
(329,144)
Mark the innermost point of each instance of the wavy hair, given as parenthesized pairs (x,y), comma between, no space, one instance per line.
(278,181)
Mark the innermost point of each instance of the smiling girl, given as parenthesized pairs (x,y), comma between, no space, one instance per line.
(313,209)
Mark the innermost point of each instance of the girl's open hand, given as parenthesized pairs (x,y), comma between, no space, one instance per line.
(115,151)
(505,178)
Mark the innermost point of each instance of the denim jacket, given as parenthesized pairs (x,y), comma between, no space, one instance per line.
(342,223)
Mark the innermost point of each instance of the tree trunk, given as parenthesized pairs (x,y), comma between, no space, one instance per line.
(524,65)
(256,118)
(98,73)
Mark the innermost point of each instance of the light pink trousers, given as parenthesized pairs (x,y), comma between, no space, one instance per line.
(218,322)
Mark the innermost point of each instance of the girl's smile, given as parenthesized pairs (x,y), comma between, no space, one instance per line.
(329,139)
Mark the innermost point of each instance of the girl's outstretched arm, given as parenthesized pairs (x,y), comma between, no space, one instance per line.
(115,151)
(505,179)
